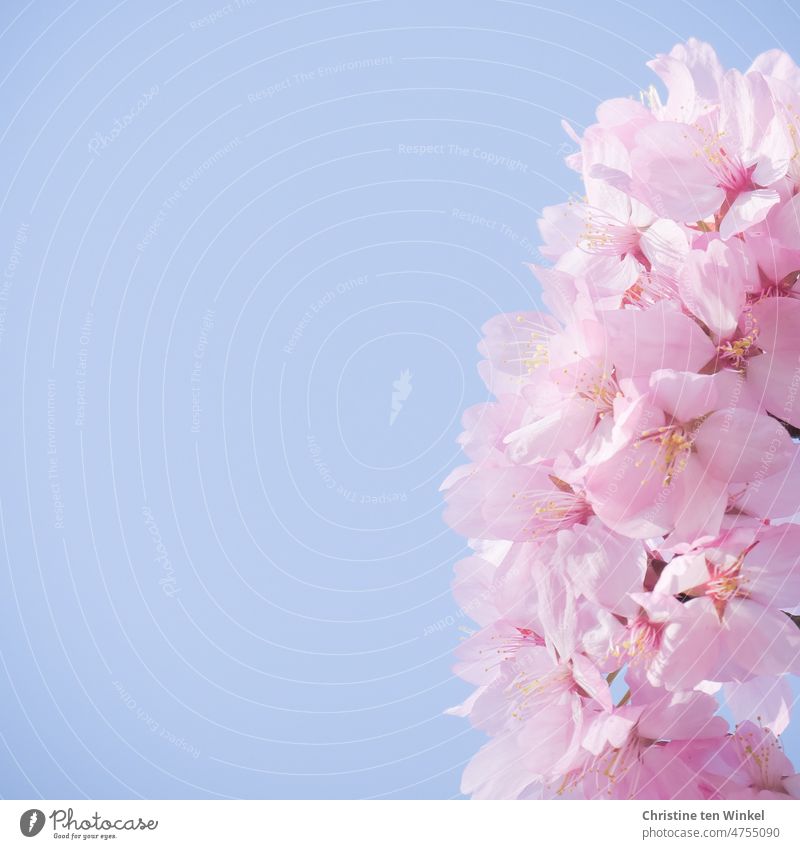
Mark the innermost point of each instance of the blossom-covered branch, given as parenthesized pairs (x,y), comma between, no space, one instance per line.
(631,493)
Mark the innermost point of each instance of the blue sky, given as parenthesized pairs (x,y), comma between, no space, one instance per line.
(229,233)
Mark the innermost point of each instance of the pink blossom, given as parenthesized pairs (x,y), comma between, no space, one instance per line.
(749,764)
(688,445)
(632,498)
(734,592)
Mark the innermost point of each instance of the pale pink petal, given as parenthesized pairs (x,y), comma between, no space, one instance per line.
(773,495)
(605,567)
(682,716)
(677,77)
(682,574)
(459,473)
(589,678)
(485,425)
(691,647)
(738,445)
(784,226)
(629,495)
(748,209)
(738,112)
(778,64)
(684,395)
(778,375)
(703,64)
(556,609)
(610,730)
(560,227)
(759,641)
(517,342)
(772,567)
(777,321)
(777,370)
(765,701)
(672,179)
(713,288)
(472,589)
(775,149)
(498,771)
(665,244)
(632,413)
(562,430)
(643,341)
(463,710)
(624,115)
(698,502)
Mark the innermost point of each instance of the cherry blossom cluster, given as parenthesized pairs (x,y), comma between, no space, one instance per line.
(632,492)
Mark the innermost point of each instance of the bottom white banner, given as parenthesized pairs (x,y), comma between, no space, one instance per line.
(405,824)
